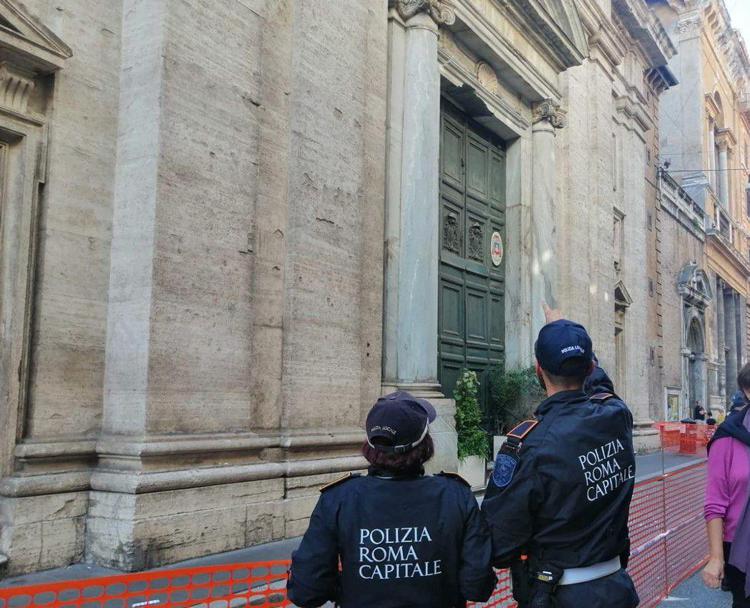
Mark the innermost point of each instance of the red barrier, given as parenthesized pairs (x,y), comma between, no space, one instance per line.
(667,532)
(258,584)
(668,544)
(685,438)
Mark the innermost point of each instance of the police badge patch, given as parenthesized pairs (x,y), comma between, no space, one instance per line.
(505,466)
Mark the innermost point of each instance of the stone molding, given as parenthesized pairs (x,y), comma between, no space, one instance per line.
(16,85)
(33,46)
(439,10)
(141,482)
(694,286)
(487,77)
(726,139)
(549,111)
(690,26)
(144,461)
(461,77)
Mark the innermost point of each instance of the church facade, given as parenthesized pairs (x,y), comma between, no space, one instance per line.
(229,226)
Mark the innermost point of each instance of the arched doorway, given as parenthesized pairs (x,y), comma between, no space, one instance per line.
(696,380)
(694,288)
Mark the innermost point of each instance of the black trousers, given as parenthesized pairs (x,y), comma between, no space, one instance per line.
(613,591)
(735,580)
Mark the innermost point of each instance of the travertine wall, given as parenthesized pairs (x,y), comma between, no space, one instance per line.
(65,398)
(66,363)
(233,153)
(602,169)
(679,247)
(209,301)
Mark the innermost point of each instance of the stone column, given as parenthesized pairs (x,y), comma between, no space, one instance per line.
(742,330)
(712,156)
(412,256)
(724,174)
(547,117)
(720,341)
(730,337)
(412,191)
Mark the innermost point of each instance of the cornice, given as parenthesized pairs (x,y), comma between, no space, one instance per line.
(729,252)
(469,16)
(602,34)
(646,30)
(27,43)
(533,18)
(459,76)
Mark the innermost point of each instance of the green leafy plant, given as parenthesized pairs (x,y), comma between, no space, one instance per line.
(513,396)
(472,438)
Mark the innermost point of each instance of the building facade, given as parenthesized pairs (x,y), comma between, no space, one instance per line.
(705,135)
(228,226)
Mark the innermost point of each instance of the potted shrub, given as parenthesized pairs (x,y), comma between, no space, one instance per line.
(513,397)
(473,442)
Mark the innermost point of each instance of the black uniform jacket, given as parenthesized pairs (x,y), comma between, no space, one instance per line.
(416,541)
(566,500)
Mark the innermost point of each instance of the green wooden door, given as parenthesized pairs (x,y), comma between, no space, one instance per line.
(472,237)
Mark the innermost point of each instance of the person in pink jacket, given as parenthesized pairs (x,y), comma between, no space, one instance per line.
(726,505)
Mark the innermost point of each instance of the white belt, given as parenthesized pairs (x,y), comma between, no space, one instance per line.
(573,576)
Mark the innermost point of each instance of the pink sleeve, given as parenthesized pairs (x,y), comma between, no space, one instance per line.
(717,485)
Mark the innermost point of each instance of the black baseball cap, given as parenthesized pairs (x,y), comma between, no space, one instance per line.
(398,422)
(561,341)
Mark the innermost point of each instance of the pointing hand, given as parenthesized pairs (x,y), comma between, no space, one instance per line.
(551,314)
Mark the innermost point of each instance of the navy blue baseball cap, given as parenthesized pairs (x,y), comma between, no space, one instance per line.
(399,422)
(559,342)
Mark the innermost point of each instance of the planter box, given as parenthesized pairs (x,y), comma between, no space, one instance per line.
(472,469)
(497,443)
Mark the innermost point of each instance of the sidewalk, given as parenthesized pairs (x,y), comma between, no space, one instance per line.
(647,465)
(694,594)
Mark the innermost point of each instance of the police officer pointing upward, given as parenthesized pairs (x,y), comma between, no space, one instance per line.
(404,539)
(560,492)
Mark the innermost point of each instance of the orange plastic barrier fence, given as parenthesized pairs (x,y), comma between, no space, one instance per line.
(257,584)
(667,532)
(685,438)
(667,536)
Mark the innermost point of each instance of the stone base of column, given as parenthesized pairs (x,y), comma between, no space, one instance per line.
(42,532)
(443,430)
(645,437)
(134,532)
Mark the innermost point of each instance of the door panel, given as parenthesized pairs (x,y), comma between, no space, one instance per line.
(472,286)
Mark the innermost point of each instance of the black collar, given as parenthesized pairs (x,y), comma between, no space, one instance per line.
(382,473)
(561,398)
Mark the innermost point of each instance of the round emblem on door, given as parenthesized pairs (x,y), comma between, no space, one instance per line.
(496,248)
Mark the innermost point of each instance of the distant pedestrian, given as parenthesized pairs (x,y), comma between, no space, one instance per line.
(402,538)
(726,506)
(699,412)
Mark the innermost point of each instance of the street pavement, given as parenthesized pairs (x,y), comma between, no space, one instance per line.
(694,594)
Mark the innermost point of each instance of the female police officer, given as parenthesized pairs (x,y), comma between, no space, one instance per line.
(403,538)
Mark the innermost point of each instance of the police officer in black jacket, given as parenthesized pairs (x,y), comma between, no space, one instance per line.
(404,539)
(561,488)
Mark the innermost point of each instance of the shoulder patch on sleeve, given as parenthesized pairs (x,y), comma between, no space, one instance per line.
(338,481)
(505,466)
(455,476)
(601,397)
(520,431)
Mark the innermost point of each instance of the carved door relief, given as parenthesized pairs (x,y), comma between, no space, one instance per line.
(472,232)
